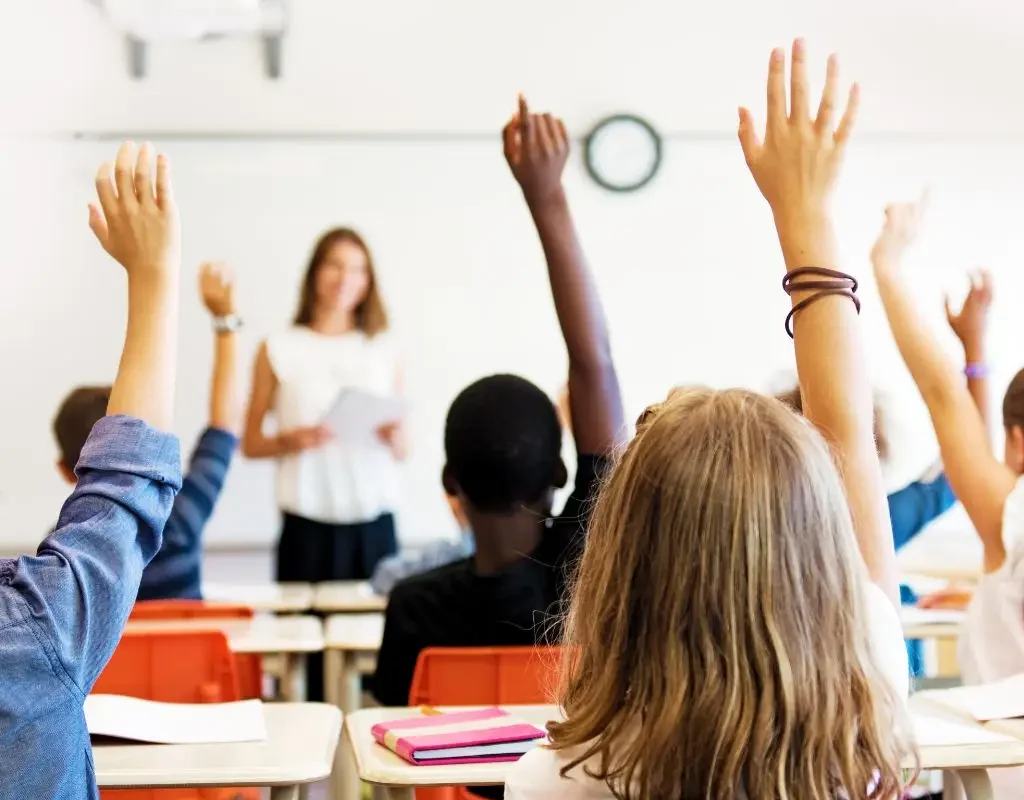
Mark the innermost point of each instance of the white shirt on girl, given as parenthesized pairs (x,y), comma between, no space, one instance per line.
(337,483)
(536,776)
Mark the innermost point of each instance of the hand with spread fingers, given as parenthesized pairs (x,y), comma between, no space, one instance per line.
(797,163)
(136,220)
(536,149)
(902,226)
(971,322)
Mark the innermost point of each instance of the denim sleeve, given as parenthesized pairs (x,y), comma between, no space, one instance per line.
(913,507)
(175,570)
(79,588)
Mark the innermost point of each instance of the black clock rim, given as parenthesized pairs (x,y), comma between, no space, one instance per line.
(622,188)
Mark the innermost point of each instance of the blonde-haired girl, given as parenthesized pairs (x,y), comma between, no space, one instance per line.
(733,630)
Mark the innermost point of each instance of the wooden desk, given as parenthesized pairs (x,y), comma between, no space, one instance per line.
(291,638)
(277,598)
(301,742)
(347,597)
(941,626)
(381,767)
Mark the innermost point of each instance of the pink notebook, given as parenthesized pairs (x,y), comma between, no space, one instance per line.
(465,737)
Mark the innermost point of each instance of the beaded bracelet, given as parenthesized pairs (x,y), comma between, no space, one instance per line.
(978,370)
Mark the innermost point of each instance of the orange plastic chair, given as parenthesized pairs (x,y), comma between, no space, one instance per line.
(472,676)
(250,665)
(173,667)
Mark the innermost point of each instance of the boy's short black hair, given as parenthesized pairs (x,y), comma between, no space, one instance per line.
(81,409)
(503,443)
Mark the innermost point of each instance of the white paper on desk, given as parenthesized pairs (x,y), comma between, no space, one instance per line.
(990,701)
(174,723)
(356,415)
(939,732)
(912,615)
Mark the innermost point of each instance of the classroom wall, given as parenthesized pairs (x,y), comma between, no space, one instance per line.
(407,99)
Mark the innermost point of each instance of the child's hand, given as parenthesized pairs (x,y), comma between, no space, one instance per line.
(797,164)
(536,148)
(952,597)
(971,322)
(217,288)
(902,226)
(137,223)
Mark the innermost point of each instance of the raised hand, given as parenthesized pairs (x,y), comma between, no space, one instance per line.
(971,322)
(136,221)
(796,165)
(903,222)
(217,288)
(536,149)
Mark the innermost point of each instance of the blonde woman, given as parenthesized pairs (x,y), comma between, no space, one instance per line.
(726,555)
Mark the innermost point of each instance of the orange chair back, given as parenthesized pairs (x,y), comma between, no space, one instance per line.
(188,609)
(488,676)
(173,667)
(248,665)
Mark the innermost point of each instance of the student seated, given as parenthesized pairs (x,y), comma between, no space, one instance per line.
(175,571)
(407,563)
(503,448)
(992,492)
(725,638)
(62,610)
(914,506)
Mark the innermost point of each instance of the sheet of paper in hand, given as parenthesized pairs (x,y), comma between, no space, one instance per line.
(356,415)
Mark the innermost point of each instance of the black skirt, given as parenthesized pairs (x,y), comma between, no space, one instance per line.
(312,552)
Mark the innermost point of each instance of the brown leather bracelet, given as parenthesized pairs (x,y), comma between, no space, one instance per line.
(814,297)
(821,272)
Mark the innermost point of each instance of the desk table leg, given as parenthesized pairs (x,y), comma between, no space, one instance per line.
(293,681)
(351,683)
(284,793)
(332,676)
(975,783)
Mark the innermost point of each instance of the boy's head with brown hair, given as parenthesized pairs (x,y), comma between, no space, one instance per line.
(81,409)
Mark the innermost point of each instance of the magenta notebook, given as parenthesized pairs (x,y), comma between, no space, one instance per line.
(465,737)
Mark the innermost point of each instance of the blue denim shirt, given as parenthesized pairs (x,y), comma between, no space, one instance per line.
(62,611)
(175,573)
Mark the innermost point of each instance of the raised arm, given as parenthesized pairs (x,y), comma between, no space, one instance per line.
(536,148)
(217,289)
(796,168)
(978,480)
(970,325)
(77,590)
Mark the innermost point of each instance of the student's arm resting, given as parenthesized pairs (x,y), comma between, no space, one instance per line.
(79,588)
(174,571)
(536,148)
(978,480)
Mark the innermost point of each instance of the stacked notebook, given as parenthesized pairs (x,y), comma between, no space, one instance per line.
(465,737)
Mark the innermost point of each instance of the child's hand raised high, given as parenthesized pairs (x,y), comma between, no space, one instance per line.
(137,221)
(899,231)
(797,164)
(536,148)
(217,288)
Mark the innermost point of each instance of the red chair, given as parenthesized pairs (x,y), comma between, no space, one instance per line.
(173,667)
(250,665)
(482,676)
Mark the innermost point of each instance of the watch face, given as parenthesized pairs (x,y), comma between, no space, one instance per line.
(623,153)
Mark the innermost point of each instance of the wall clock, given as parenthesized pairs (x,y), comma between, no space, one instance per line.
(622,153)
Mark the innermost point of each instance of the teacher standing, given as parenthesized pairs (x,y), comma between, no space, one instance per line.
(337,499)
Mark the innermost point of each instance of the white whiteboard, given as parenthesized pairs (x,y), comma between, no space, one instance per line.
(689,271)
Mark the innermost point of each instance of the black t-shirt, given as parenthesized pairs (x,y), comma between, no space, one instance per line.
(452,606)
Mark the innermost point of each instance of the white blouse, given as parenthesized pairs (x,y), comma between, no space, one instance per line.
(536,776)
(336,483)
(991,645)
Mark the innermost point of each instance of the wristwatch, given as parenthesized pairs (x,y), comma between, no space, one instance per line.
(228,324)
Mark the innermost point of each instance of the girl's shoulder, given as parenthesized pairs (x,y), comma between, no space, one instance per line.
(538,776)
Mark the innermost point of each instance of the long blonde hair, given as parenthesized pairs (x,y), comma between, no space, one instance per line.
(717,641)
